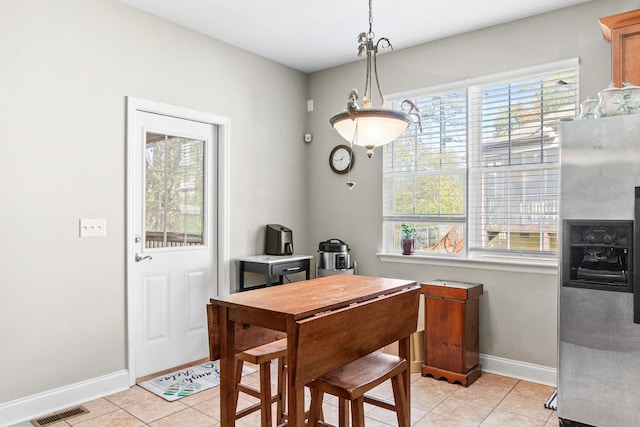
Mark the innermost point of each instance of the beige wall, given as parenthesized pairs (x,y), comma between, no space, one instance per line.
(518,311)
(67,68)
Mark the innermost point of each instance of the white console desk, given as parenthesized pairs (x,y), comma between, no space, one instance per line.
(272,265)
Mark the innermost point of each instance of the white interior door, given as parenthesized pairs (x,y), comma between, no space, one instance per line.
(174,232)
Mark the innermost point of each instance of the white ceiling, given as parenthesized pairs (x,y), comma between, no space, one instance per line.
(311,35)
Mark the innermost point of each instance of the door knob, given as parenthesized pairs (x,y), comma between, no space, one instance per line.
(140,257)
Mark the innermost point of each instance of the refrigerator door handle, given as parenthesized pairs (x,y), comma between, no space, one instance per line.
(636,257)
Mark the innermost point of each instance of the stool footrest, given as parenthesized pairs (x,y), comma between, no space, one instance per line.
(379,402)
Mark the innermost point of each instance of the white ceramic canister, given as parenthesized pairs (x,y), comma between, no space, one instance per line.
(588,108)
(631,98)
(611,102)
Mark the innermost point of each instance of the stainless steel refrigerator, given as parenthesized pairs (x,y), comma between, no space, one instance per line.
(599,269)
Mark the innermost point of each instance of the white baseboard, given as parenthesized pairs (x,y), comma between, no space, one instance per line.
(520,370)
(50,401)
(44,403)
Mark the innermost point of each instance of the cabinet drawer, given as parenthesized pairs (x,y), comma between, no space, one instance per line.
(290,267)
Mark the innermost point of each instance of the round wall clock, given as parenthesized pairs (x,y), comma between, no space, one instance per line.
(341,159)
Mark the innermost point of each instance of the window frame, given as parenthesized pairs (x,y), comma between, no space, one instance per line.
(472,251)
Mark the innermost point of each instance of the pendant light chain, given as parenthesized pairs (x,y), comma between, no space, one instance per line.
(371,49)
(366,43)
(371,19)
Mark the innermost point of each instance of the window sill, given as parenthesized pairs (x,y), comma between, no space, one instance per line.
(536,266)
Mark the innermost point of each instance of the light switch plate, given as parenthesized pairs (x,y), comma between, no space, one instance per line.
(96,227)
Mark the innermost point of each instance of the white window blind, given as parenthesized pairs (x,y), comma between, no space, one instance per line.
(482,174)
(514,171)
(425,175)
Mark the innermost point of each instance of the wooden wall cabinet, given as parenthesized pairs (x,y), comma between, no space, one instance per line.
(451,330)
(623,31)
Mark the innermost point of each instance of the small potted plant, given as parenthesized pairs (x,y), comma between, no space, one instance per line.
(408,239)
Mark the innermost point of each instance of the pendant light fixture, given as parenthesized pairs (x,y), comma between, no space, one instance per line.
(366,125)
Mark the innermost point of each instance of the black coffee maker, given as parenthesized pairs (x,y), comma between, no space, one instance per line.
(278,240)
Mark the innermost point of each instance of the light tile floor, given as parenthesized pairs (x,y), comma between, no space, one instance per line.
(492,400)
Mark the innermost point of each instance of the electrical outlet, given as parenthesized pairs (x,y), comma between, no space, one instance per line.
(96,227)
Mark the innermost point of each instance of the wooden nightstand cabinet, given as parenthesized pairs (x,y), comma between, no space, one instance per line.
(623,31)
(451,331)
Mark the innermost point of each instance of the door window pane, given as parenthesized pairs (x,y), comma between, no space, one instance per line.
(174,191)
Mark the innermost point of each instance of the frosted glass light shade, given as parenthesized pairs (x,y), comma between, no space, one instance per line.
(376,126)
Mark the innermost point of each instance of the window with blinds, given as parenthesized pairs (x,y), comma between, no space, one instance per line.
(481,176)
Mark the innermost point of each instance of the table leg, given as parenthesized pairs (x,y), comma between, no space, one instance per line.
(269,276)
(295,396)
(404,351)
(296,400)
(240,276)
(227,369)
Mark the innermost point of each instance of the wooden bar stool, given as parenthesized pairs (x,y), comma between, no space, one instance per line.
(262,356)
(258,346)
(350,383)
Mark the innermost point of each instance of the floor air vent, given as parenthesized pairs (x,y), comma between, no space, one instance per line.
(59,416)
